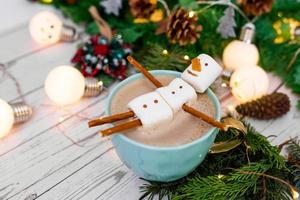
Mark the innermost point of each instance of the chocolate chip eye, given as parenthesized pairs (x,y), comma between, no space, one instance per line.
(155,101)
(206,64)
(145,106)
(173,92)
(180,87)
(49,36)
(52,26)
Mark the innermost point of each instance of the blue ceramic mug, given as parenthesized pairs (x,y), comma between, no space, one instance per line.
(162,163)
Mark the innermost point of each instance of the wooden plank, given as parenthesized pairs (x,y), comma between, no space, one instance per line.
(45,118)
(30,73)
(127,190)
(17,44)
(16,12)
(94,181)
(50,156)
(32,70)
(14,33)
(284,127)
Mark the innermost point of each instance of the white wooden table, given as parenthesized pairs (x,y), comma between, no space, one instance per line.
(36,159)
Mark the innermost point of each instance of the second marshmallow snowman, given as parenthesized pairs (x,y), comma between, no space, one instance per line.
(196,78)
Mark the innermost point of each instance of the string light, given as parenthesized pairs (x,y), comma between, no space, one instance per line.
(46,1)
(224,85)
(62,118)
(46,28)
(284,34)
(186,57)
(165,52)
(220,176)
(241,53)
(230,108)
(66,85)
(191,14)
(295,194)
(12,114)
(249,83)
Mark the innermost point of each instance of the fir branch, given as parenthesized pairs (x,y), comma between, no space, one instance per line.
(205,182)
(157,57)
(259,145)
(160,190)
(232,186)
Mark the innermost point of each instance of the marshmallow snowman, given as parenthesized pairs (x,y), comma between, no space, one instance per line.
(201,76)
(159,107)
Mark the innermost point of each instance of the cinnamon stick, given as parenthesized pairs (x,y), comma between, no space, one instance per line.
(144,71)
(110,119)
(203,116)
(121,127)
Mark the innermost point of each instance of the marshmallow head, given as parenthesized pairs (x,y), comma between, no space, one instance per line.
(177,93)
(202,72)
(151,109)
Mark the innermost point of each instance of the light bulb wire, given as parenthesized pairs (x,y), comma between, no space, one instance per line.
(82,118)
(166,7)
(6,73)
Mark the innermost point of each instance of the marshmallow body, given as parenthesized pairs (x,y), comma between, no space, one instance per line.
(177,93)
(201,79)
(151,109)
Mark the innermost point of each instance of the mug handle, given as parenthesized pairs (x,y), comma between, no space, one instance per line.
(224,146)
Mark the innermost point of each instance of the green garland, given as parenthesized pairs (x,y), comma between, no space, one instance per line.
(254,170)
(274,57)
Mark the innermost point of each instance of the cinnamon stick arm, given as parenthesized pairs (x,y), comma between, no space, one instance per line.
(121,127)
(110,119)
(203,116)
(144,71)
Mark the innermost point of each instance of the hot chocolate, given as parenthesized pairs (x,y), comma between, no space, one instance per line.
(184,127)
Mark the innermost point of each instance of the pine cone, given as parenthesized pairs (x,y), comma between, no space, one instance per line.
(142,8)
(256,7)
(267,107)
(183,28)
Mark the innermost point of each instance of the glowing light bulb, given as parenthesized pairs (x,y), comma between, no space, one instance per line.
(186,57)
(224,85)
(295,194)
(249,83)
(6,118)
(241,53)
(230,108)
(191,14)
(165,52)
(45,28)
(65,85)
(220,176)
